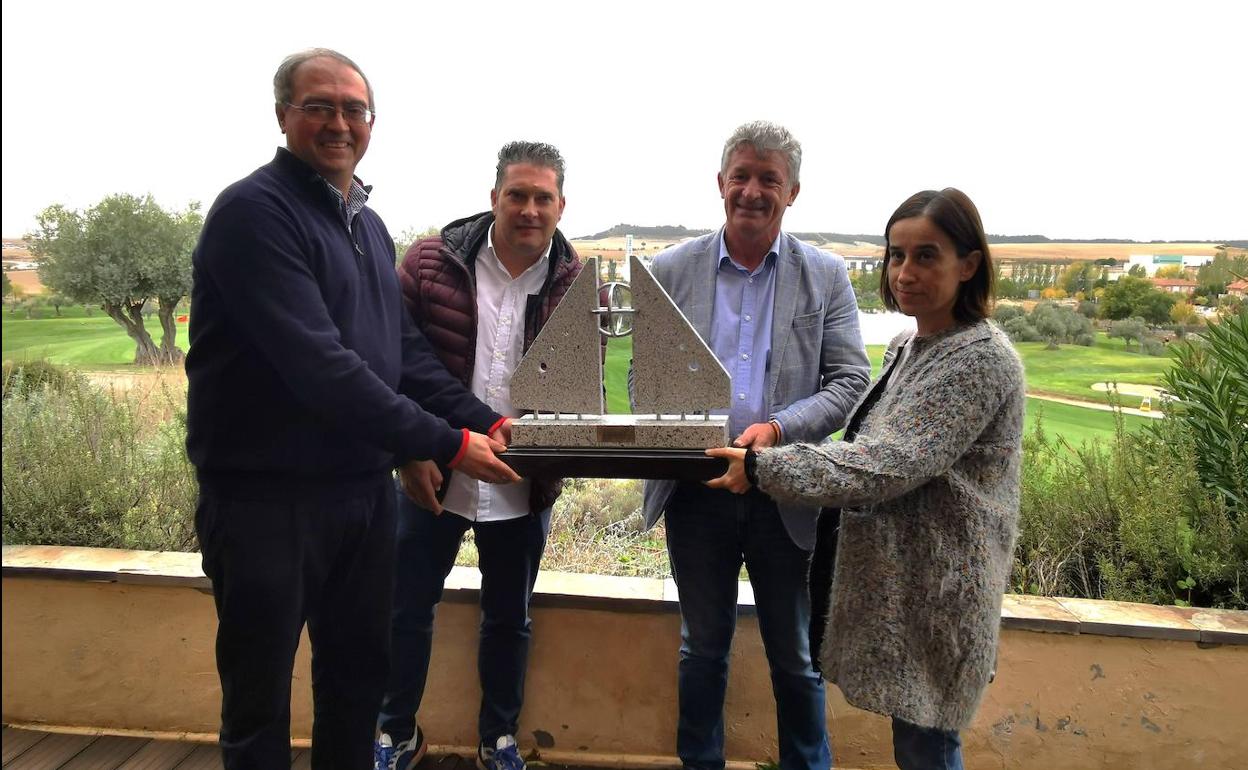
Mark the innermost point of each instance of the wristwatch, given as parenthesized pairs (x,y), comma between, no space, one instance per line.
(751,467)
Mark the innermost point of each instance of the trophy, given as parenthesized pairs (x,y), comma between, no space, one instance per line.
(674,384)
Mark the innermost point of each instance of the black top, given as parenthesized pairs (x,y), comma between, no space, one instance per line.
(302,356)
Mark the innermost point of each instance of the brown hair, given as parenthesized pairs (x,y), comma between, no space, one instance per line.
(284,78)
(954,213)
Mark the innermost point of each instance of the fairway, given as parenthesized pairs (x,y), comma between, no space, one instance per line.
(1073,423)
(1072,369)
(95,342)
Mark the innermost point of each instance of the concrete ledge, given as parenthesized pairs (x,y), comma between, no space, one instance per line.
(105,565)
(117,641)
(1059,615)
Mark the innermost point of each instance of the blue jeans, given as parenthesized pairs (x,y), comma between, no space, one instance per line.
(710,534)
(925,748)
(509,554)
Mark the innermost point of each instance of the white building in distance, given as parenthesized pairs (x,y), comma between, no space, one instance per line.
(1154,262)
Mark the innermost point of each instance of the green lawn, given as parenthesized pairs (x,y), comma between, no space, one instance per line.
(1070,370)
(75,339)
(86,342)
(97,342)
(1074,423)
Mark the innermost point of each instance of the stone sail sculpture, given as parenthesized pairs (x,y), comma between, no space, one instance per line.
(674,371)
(677,381)
(562,370)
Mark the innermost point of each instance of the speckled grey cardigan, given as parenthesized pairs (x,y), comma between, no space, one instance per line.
(929,488)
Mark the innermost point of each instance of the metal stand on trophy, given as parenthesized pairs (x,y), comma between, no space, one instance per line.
(676,383)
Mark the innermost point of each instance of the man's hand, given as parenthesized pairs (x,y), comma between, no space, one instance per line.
(480,461)
(758,436)
(734,479)
(420,480)
(503,431)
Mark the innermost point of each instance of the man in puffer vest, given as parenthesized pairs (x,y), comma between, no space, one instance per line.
(480,292)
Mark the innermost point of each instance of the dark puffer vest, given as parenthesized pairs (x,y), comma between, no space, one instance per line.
(439,287)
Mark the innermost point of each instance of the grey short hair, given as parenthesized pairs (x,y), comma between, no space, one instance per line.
(765,137)
(284,78)
(535,153)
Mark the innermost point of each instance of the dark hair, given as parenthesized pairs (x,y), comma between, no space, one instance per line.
(956,215)
(534,153)
(284,78)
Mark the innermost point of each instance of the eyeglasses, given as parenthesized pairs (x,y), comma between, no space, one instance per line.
(323,113)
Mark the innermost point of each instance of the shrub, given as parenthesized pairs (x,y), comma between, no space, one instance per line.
(597,527)
(84,467)
(1057,324)
(1003,312)
(1129,520)
(22,378)
(1152,347)
(1087,340)
(1210,382)
(1021,330)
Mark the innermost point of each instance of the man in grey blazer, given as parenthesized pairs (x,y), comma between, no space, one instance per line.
(781,317)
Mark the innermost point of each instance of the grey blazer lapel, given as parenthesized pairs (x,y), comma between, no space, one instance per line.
(702,271)
(788,275)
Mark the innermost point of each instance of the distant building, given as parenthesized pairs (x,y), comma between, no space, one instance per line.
(1238,288)
(870,264)
(1175,285)
(1154,262)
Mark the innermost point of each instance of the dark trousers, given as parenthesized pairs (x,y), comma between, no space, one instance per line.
(274,566)
(710,534)
(509,554)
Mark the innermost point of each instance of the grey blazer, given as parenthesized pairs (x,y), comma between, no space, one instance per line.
(818,365)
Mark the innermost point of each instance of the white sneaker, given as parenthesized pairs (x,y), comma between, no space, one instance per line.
(504,756)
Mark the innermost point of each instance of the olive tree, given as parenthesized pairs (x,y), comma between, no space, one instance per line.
(119,254)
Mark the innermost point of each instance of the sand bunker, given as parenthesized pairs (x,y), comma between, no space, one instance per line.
(1129,389)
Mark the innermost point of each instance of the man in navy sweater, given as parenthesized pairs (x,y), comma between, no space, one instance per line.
(308,384)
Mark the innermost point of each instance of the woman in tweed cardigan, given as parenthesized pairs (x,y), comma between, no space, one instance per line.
(928,479)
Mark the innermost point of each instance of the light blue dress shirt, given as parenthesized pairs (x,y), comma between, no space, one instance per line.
(741,333)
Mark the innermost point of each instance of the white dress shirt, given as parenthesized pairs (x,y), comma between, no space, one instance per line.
(501,301)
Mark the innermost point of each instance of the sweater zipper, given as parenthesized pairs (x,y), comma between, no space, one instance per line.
(355,242)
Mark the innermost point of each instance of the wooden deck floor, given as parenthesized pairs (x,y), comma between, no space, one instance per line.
(35,750)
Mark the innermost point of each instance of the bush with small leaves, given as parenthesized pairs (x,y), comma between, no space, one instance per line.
(1152,347)
(85,467)
(21,378)
(1021,330)
(1004,312)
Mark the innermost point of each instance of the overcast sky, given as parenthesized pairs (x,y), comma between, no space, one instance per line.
(1077,119)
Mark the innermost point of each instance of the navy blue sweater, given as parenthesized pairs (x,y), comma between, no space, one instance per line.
(306,374)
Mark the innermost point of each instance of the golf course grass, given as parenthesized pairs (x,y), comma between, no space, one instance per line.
(1071,370)
(96,342)
(1075,424)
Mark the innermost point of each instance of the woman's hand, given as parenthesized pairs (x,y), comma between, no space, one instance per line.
(734,480)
